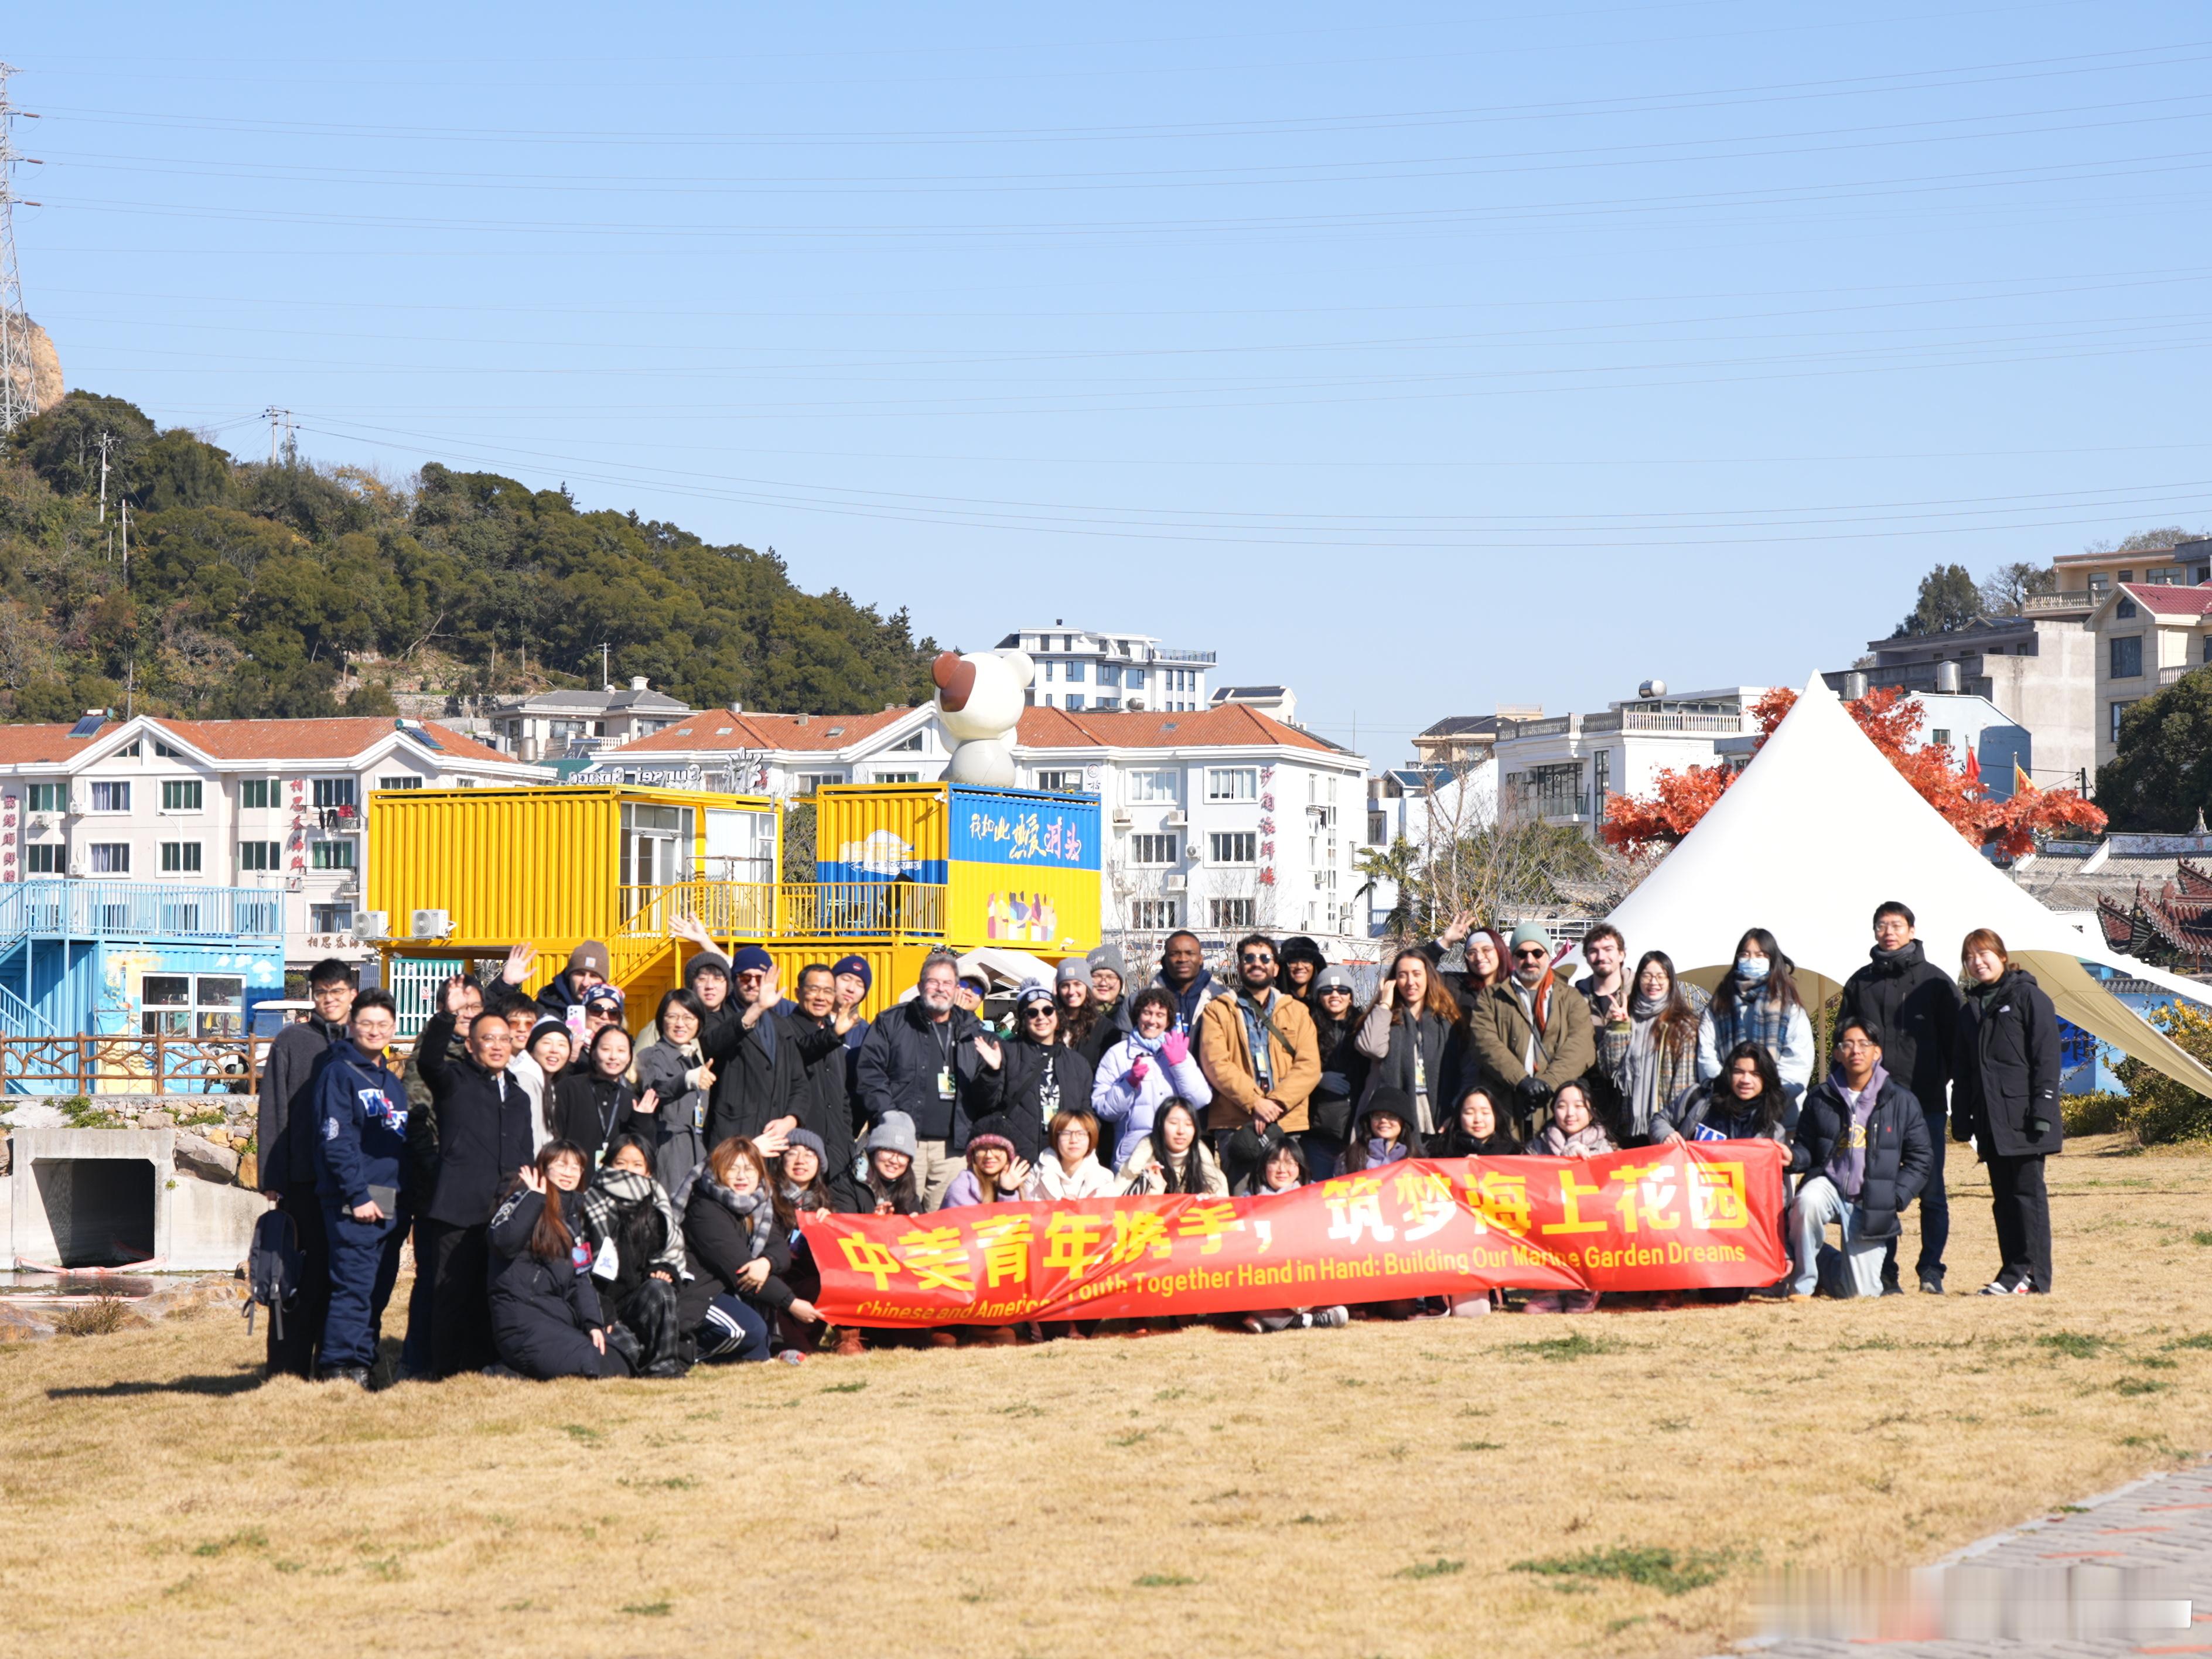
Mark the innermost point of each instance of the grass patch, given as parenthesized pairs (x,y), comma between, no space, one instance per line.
(2074,1345)
(1480,1445)
(1654,1566)
(579,1432)
(1575,1345)
(252,1539)
(2201,1236)
(1163,1581)
(853,1387)
(103,1315)
(1439,1568)
(648,1609)
(2134,1385)
(2201,1340)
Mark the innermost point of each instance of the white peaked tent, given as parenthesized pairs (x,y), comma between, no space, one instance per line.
(1819,830)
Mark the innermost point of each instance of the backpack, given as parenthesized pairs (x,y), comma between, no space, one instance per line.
(273,1268)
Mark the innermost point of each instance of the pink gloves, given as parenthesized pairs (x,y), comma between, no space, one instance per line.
(1174,1047)
(1138,1068)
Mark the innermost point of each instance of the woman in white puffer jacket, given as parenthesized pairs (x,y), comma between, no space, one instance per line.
(1139,1075)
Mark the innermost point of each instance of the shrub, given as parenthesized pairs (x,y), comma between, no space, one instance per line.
(2159,1110)
(2094,1115)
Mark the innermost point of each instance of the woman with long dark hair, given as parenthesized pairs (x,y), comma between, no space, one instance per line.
(1758,1002)
(2004,1097)
(1174,1158)
(546,1321)
(736,1237)
(1653,1061)
(1343,1072)
(636,1246)
(675,1082)
(1745,1102)
(594,1094)
(1410,1034)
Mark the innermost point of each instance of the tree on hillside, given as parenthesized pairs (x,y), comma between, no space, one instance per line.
(1949,599)
(2005,589)
(1639,825)
(2146,541)
(2159,776)
(254,589)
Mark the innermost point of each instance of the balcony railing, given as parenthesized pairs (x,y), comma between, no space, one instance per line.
(2173,672)
(124,910)
(165,1064)
(1171,653)
(2047,604)
(744,909)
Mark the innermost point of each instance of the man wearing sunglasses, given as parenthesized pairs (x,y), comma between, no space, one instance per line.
(1258,1051)
(1532,1031)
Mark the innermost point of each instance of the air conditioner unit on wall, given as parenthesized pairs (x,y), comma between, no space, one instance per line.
(373,925)
(430,924)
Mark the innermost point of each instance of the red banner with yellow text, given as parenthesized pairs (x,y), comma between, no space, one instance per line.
(1692,1216)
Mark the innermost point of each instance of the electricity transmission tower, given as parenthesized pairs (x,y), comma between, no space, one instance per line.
(18,387)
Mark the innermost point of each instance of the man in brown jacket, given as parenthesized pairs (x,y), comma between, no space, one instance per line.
(1259,1055)
(1532,1031)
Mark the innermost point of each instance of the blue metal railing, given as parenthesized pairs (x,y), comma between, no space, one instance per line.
(125,909)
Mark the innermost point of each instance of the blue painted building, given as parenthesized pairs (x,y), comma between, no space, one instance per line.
(95,958)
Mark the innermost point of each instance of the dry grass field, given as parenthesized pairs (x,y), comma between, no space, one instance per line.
(1382,1490)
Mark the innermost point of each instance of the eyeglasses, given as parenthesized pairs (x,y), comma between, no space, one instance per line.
(1037,1011)
(1534,953)
(1257,961)
(1337,991)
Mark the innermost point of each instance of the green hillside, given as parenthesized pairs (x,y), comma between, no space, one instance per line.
(286,589)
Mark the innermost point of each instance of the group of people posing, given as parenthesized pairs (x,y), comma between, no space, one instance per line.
(583,1201)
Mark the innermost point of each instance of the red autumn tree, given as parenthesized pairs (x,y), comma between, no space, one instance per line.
(1638,823)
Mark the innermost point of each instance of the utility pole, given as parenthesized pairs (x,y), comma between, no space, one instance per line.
(124,506)
(106,438)
(19,398)
(280,420)
(606,674)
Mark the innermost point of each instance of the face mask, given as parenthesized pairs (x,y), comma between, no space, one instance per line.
(1751,970)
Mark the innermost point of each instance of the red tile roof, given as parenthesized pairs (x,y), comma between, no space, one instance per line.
(718,728)
(1233,724)
(2166,599)
(337,739)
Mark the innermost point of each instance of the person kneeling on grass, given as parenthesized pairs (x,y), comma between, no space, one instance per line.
(630,1225)
(737,1240)
(1479,1131)
(993,1175)
(1070,1169)
(545,1316)
(1172,1159)
(1284,1172)
(1381,1133)
(892,1188)
(1863,1150)
(1573,1132)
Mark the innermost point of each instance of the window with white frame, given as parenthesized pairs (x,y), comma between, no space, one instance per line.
(43,861)
(330,855)
(807,782)
(260,856)
(1234,847)
(181,794)
(260,794)
(1063,783)
(1152,786)
(1154,913)
(401,780)
(192,1004)
(898,777)
(1233,911)
(1232,783)
(335,792)
(111,797)
(180,858)
(330,918)
(1153,849)
(110,857)
(49,798)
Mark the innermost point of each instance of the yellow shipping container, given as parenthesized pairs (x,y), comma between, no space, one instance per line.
(982,866)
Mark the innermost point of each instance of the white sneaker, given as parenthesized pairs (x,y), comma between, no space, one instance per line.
(1331,1318)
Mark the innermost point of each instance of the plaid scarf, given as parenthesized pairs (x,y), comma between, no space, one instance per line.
(756,1210)
(613,1194)
(1762,1019)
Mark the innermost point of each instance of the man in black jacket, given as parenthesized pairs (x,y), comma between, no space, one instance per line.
(824,1103)
(485,1138)
(1916,1006)
(762,1056)
(285,1139)
(922,1059)
(1862,1149)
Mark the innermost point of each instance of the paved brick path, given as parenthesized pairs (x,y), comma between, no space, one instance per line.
(2157,1532)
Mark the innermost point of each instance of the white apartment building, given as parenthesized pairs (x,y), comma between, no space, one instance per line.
(275,805)
(2148,635)
(1424,806)
(1563,768)
(553,724)
(1222,820)
(1079,670)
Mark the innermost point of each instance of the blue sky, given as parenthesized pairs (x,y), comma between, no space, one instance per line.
(1425,359)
